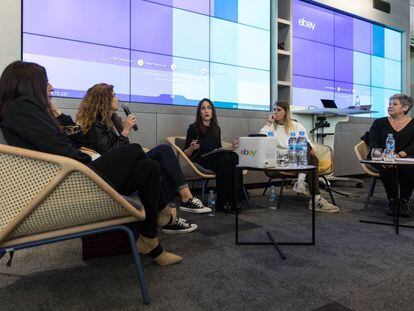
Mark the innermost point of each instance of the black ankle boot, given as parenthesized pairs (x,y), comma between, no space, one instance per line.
(390,207)
(405,210)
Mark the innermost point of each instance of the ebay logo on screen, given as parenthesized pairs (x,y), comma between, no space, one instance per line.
(307,24)
(339,57)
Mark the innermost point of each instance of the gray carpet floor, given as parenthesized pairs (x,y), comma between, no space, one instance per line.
(353,266)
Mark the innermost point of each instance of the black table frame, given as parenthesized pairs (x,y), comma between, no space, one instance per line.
(396,210)
(313,170)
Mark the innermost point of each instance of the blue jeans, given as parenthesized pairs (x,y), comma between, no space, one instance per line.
(172,178)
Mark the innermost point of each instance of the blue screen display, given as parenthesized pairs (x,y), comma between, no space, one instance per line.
(336,56)
(172,52)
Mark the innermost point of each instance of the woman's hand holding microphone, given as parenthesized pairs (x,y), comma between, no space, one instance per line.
(129,123)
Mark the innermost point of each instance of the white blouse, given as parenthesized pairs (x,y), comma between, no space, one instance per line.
(281,136)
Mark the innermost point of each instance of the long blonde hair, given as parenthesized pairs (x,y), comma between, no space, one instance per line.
(287,123)
(96,105)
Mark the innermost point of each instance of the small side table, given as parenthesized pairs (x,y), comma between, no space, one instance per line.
(300,169)
(395,217)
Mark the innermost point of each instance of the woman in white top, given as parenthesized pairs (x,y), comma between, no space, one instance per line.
(280,124)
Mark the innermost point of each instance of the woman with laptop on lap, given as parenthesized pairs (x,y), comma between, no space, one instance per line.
(281,125)
(401,126)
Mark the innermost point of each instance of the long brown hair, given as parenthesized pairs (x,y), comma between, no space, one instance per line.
(96,105)
(200,127)
(287,123)
(24,79)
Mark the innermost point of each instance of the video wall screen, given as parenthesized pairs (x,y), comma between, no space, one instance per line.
(336,56)
(171,52)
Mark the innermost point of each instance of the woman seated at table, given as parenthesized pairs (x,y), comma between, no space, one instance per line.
(401,126)
(105,131)
(27,122)
(203,136)
(281,125)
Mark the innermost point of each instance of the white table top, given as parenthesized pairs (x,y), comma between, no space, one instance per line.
(280,168)
(333,111)
(398,161)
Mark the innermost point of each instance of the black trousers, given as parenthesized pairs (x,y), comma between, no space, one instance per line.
(224,165)
(127,169)
(313,160)
(405,181)
(172,178)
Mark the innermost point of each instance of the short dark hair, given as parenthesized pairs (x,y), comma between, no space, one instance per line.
(23,79)
(405,101)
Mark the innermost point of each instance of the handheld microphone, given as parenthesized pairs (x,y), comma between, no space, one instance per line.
(128,112)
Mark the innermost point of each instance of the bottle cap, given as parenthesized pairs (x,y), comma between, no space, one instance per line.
(292,134)
(302,133)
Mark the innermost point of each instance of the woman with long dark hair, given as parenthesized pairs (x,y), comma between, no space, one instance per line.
(27,122)
(203,136)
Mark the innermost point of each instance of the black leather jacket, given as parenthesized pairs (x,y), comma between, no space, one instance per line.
(102,139)
(27,125)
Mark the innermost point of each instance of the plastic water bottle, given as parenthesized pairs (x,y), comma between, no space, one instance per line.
(211,202)
(389,153)
(273,198)
(302,149)
(292,149)
(357,102)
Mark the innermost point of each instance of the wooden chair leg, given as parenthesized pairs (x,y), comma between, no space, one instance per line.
(371,191)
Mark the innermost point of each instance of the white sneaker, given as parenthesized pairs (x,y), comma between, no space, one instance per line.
(301,187)
(322,205)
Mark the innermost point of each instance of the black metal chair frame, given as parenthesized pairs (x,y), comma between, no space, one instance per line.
(326,182)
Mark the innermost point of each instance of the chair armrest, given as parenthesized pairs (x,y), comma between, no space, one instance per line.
(67,193)
(181,154)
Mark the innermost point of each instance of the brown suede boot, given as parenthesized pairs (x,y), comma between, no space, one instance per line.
(152,248)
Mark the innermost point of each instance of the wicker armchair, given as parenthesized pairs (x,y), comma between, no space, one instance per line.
(194,171)
(362,150)
(47,198)
(324,154)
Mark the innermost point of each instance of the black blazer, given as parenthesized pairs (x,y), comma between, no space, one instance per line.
(102,139)
(27,125)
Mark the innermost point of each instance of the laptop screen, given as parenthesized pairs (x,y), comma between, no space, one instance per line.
(328,103)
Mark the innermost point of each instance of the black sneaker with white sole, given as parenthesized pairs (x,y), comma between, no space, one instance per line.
(179,226)
(194,205)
